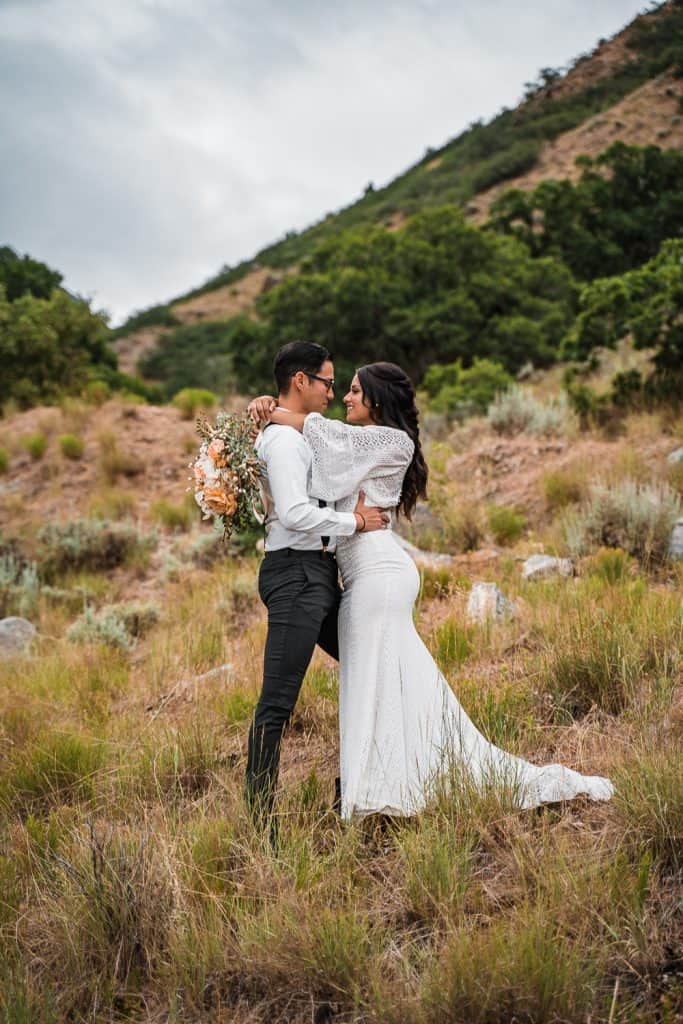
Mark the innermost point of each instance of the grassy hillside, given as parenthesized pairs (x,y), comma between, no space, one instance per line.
(132,885)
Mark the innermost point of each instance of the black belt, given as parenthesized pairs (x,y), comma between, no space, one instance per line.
(325,540)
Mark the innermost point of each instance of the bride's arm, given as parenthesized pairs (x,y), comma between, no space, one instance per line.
(345,456)
(266,410)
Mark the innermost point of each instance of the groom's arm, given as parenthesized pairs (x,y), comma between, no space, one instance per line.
(287,477)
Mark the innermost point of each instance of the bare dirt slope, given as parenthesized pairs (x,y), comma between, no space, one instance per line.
(159,445)
(221,304)
(649,116)
(156,441)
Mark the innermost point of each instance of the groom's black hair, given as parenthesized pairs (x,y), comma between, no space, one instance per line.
(297,355)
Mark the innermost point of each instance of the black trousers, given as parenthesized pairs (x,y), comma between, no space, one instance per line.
(301,591)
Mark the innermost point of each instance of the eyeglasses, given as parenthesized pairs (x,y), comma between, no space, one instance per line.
(329,382)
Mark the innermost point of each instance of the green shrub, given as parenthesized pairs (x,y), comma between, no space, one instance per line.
(35,445)
(604,652)
(4,461)
(212,856)
(191,401)
(114,462)
(112,504)
(452,644)
(435,581)
(458,526)
(506,524)
(96,392)
(236,707)
(564,487)
(465,392)
(48,346)
(174,517)
(58,769)
(611,565)
(524,968)
(89,544)
(71,446)
(438,865)
(649,799)
(674,476)
(638,518)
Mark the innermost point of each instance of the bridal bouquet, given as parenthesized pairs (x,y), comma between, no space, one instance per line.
(226,473)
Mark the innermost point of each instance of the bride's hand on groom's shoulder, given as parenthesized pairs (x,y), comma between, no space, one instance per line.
(260,409)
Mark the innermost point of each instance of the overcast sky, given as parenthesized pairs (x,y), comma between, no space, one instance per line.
(145,143)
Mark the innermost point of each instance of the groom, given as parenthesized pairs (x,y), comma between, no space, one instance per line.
(298,576)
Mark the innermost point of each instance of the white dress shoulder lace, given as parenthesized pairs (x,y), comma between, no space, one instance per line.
(401,725)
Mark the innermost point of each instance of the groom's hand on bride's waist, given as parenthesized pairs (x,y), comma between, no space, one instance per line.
(368,517)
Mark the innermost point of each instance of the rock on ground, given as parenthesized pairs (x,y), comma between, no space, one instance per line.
(675,457)
(15,634)
(430,559)
(542,566)
(487,601)
(676,542)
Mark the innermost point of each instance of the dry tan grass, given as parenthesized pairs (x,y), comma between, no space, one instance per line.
(135,888)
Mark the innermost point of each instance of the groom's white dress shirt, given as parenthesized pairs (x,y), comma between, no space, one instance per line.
(293,518)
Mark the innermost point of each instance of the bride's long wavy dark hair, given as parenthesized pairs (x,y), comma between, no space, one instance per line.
(389,395)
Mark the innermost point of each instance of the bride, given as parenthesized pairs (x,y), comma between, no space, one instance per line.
(401,726)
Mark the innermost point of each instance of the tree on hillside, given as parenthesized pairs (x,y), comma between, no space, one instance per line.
(49,346)
(627,201)
(22,275)
(437,291)
(209,355)
(646,303)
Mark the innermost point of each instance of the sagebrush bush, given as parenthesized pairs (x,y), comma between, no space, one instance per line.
(4,461)
(89,544)
(206,550)
(71,446)
(118,625)
(638,518)
(191,401)
(461,526)
(20,585)
(506,524)
(517,411)
(35,444)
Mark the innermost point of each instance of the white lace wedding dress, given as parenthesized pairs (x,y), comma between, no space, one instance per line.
(401,725)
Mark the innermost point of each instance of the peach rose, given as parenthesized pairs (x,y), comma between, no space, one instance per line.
(215,449)
(220,502)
